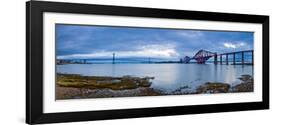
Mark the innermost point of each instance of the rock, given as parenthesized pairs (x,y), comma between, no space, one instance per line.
(102,82)
(244,87)
(109,81)
(247,84)
(181,90)
(246,78)
(213,88)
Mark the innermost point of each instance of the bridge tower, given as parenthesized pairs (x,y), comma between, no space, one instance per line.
(186,59)
(113,58)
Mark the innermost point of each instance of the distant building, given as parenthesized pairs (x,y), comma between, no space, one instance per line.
(61,61)
(181,60)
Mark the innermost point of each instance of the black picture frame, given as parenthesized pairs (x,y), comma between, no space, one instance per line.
(34,61)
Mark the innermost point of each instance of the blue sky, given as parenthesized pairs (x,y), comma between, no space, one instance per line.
(80,42)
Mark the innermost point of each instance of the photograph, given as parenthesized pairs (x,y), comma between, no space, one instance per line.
(100,61)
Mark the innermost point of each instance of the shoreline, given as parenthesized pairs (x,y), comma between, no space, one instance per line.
(74,86)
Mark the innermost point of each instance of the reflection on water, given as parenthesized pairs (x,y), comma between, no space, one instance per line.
(167,76)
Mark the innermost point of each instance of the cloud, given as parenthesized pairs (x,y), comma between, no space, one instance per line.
(190,34)
(74,41)
(229,45)
(234,45)
(155,51)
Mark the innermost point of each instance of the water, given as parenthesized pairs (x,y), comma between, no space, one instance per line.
(168,77)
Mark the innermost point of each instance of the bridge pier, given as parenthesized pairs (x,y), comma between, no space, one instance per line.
(226,59)
(220,59)
(252,57)
(242,58)
(233,58)
(216,59)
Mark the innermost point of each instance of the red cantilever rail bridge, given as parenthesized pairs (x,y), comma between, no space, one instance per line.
(203,55)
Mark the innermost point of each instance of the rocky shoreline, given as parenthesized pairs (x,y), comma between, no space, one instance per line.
(72,86)
(69,86)
(246,85)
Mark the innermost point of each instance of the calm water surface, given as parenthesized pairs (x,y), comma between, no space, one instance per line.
(168,77)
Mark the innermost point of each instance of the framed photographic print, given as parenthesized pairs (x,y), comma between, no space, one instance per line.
(95,62)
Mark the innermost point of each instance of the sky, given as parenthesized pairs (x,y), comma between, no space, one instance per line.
(100,42)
